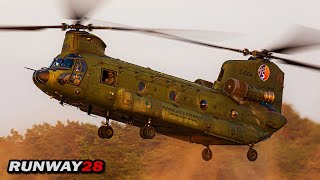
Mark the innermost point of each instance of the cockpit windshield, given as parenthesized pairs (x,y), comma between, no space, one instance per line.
(62,63)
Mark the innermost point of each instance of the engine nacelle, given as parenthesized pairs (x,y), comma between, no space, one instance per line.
(241,90)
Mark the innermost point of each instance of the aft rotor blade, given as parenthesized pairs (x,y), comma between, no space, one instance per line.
(28,28)
(295,63)
(296,38)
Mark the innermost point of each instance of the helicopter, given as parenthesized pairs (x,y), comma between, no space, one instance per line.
(242,107)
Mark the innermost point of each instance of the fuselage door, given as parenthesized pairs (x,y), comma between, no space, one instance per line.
(103,85)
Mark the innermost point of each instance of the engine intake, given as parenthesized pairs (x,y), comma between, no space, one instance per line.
(241,90)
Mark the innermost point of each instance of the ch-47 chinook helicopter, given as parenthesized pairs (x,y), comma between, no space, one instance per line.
(242,107)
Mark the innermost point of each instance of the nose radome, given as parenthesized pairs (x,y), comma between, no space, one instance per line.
(41,76)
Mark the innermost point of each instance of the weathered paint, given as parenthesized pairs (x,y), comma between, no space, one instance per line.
(182,118)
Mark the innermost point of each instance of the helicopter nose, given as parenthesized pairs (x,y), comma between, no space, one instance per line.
(41,76)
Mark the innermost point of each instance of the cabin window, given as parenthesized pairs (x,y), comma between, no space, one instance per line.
(78,73)
(109,77)
(173,95)
(142,86)
(203,104)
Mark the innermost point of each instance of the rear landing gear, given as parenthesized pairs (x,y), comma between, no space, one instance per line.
(207,154)
(147,131)
(252,154)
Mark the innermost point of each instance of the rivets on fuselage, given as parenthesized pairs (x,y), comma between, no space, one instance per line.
(77,91)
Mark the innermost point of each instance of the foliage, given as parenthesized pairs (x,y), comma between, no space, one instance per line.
(292,153)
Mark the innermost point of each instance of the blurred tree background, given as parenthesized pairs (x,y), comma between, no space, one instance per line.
(292,153)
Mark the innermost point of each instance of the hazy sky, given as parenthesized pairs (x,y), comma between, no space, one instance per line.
(22,104)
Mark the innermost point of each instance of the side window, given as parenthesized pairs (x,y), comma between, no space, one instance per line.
(142,86)
(109,77)
(173,95)
(78,73)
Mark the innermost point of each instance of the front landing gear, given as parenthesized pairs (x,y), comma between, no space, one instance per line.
(105,132)
(207,154)
(252,154)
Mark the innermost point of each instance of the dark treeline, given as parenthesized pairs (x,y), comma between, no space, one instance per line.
(292,153)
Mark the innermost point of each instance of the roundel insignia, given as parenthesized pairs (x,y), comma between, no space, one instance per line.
(264,72)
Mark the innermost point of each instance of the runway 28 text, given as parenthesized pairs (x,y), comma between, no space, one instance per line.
(56,166)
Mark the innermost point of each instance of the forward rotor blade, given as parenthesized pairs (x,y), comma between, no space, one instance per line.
(201,35)
(78,9)
(28,28)
(165,35)
(194,34)
(295,63)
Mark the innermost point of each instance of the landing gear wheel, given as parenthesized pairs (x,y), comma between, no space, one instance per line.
(105,132)
(109,132)
(142,129)
(207,154)
(149,132)
(252,155)
(100,130)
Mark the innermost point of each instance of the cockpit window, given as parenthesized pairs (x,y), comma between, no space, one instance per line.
(73,56)
(62,63)
(78,73)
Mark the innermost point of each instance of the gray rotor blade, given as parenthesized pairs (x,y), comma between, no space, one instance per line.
(297,38)
(295,63)
(28,28)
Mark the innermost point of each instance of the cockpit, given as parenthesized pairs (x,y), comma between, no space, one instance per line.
(70,62)
(65,63)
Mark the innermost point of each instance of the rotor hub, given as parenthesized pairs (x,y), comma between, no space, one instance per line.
(77,27)
(263,54)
